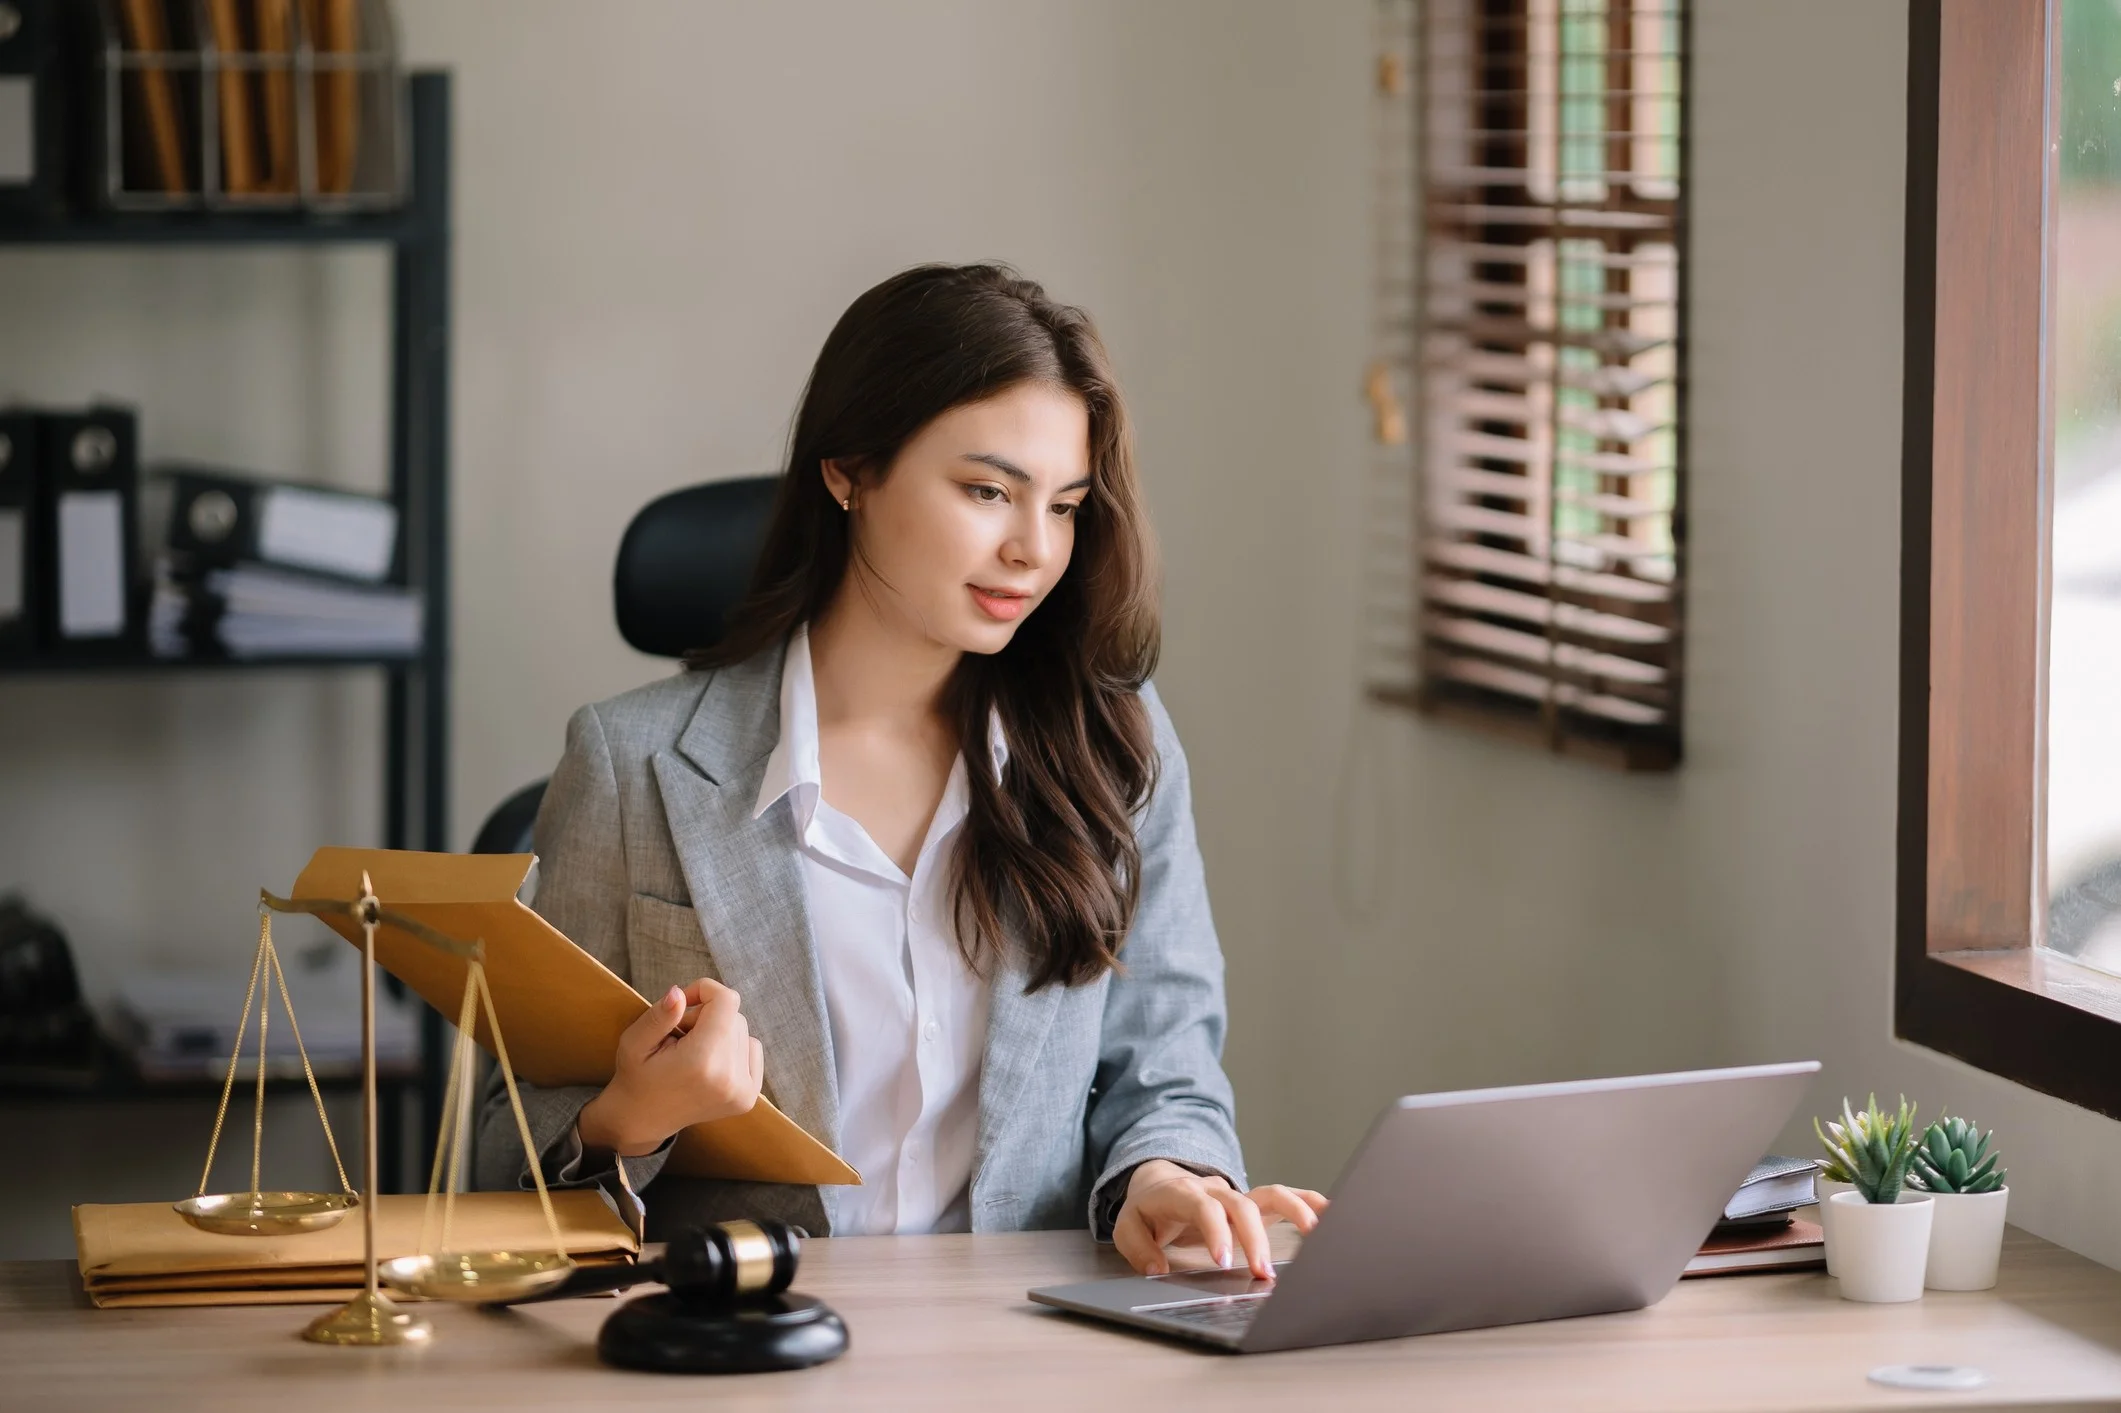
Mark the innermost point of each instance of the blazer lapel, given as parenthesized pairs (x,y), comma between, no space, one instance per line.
(1016,1032)
(747,887)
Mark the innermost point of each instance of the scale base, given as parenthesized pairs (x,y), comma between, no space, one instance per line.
(370,1318)
(664,1334)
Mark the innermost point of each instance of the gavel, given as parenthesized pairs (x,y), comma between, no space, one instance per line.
(721,1265)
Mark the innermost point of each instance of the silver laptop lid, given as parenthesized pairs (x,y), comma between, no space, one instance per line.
(1496,1206)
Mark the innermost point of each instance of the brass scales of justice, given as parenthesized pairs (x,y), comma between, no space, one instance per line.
(437,1272)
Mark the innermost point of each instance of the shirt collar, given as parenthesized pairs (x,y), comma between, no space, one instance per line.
(793,766)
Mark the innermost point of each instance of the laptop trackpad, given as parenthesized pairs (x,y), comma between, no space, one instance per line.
(1193,1287)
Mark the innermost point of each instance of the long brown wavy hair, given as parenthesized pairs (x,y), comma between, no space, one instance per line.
(1047,854)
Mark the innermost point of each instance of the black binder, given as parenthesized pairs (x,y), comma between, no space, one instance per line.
(32,106)
(219,519)
(19,594)
(88,528)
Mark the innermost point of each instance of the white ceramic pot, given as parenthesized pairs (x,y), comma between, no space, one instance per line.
(1966,1238)
(1823,1189)
(1884,1247)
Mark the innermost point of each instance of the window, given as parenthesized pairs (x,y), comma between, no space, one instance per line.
(1545,360)
(1997,730)
(2083,810)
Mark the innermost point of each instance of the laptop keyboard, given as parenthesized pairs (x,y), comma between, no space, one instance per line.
(1231,1317)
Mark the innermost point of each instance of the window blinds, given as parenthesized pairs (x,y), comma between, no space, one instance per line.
(1545,344)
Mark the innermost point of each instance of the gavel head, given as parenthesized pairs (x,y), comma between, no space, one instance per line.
(730,1262)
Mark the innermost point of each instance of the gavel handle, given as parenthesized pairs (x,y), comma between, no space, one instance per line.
(593,1280)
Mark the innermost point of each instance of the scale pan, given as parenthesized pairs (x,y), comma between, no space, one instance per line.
(476,1275)
(266,1213)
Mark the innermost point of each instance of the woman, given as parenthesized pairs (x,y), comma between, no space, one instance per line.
(915,838)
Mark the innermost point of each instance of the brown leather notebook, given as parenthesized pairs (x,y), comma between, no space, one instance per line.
(1794,1247)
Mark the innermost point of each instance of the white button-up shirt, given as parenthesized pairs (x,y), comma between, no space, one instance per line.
(908,1017)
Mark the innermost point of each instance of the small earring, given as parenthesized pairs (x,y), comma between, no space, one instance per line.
(844,505)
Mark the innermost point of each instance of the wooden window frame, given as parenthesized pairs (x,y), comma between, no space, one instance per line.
(1977,491)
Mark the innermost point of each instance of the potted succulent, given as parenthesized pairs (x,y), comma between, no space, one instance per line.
(1879,1238)
(1956,1166)
(1832,1178)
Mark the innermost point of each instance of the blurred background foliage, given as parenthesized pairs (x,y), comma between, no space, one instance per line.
(2091,91)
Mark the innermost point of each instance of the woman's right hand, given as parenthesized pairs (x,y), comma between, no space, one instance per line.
(665,1080)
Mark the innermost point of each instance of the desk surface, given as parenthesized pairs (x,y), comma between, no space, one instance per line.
(942,1322)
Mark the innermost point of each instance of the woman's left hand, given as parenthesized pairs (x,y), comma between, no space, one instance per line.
(1167,1205)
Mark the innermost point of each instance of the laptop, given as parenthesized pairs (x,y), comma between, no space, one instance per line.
(1489,1207)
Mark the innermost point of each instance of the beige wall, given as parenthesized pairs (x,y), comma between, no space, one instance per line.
(659,217)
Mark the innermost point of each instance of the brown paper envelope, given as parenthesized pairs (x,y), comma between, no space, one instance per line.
(302,1295)
(292,1278)
(263,1282)
(561,1010)
(150,1239)
(170,1299)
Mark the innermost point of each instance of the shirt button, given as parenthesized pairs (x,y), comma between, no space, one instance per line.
(930,1031)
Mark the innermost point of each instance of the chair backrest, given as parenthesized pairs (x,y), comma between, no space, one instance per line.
(686,561)
(683,564)
(508,829)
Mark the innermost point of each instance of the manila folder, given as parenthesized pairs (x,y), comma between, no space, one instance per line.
(561,1010)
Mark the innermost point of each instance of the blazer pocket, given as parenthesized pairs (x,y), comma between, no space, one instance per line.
(664,945)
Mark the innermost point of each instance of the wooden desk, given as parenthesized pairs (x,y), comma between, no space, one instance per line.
(942,1322)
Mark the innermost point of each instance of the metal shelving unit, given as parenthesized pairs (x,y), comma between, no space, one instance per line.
(416,757)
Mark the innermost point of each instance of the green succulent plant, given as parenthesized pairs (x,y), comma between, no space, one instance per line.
(1954,1156)
(1874,1149)
(1836,1138)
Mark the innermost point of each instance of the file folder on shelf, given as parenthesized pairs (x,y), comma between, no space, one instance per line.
(335,34)
(32,118)
(88,528)
(561,1010)
(253,611)
(154,125)
(19,596)
(276,91)
(221,519)
(239,144)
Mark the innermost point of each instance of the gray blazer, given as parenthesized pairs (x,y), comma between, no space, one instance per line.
(650,860)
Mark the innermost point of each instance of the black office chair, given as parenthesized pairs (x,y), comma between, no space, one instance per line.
(683,564)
